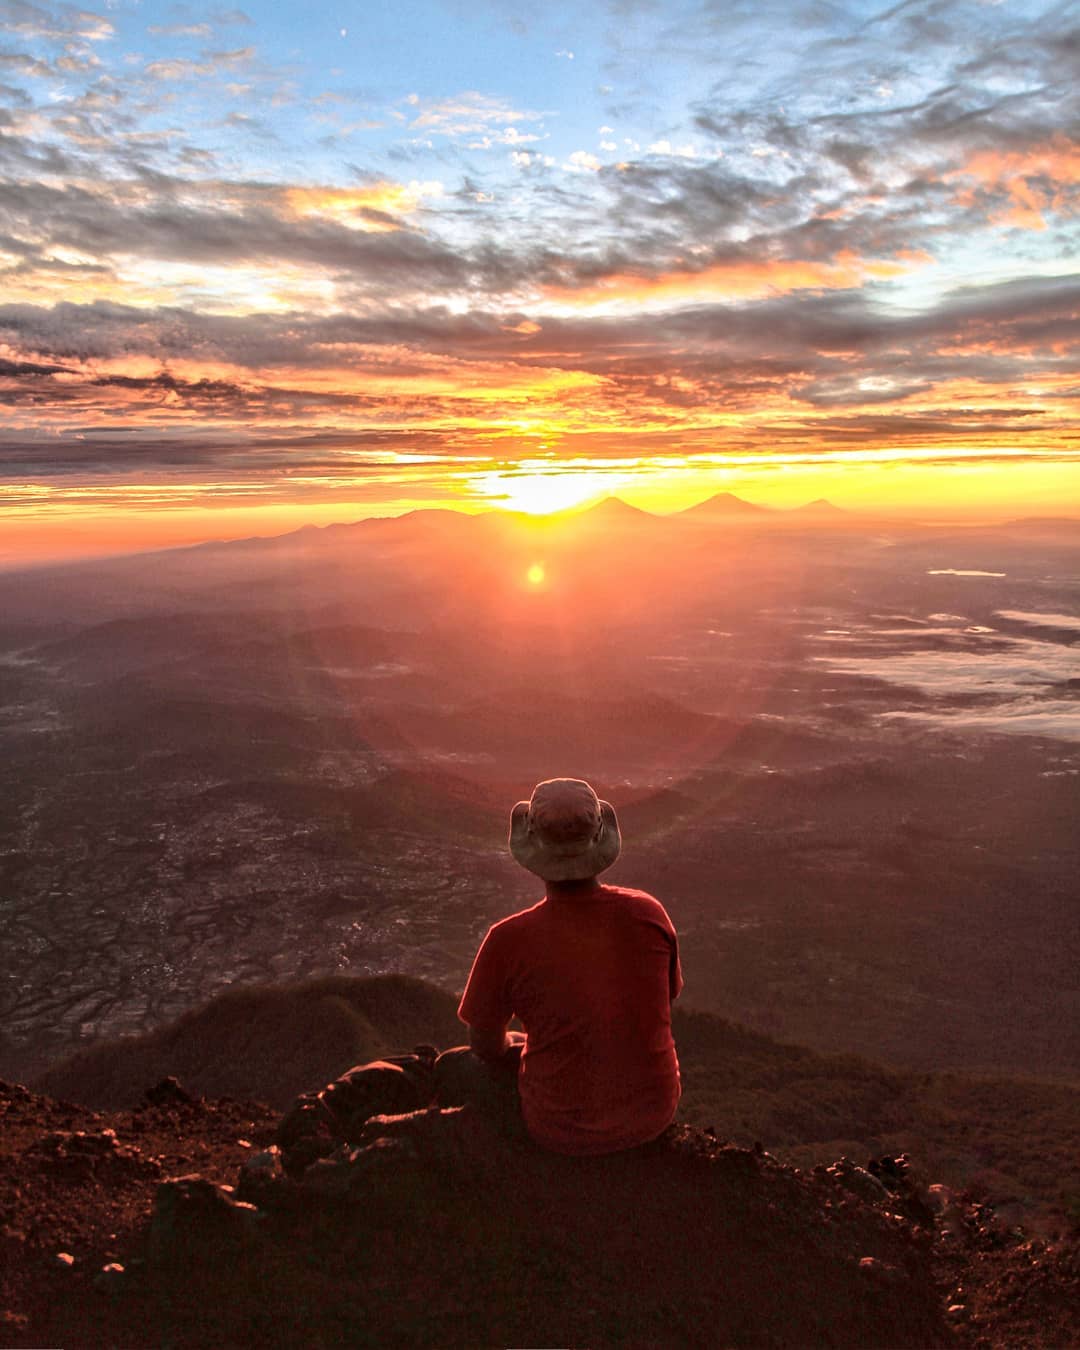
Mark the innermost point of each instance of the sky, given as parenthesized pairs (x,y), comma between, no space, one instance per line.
(289,263)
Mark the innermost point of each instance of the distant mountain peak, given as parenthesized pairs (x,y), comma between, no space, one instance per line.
(724,504)
(820,506)
(614,508)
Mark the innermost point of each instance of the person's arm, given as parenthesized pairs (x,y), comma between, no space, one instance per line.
(675,979)
(675,975)
(486,1006)
(489,1043)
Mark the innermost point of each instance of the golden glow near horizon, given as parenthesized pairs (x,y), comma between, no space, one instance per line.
(52,524)
(540,492)
(241,293)
(536,574)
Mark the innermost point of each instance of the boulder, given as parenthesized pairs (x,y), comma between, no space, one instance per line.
(198,1219)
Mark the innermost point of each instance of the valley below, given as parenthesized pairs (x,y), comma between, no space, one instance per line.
(845,756)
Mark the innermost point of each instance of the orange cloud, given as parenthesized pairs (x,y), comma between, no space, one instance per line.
(1039,179)
(351,206)
(741,279)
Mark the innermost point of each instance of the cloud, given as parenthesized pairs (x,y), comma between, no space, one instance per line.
(1010,687)
(204,28)
(581,161)
(1039,619)
(929,91)
(209,64)
(10,369)
(975,664)
(251,224)
(507,136)
(81,466)
(468,114)
(55,21)
(192,30)
(14,97)
(23,64)
(1035,181)
(775,272)
(796,345)
(665,147)
(1056,719)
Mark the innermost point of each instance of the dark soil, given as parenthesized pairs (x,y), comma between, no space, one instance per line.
(434,1233)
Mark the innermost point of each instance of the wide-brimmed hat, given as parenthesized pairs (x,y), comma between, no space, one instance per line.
(565,832)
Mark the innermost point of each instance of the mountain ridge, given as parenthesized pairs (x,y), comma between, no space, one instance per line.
(721,505)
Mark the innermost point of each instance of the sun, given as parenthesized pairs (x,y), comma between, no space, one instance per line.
(536,574)
(539,493)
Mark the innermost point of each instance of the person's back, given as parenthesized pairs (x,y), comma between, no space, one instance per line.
(590,972)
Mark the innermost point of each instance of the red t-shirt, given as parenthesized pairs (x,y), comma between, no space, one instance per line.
(591,979)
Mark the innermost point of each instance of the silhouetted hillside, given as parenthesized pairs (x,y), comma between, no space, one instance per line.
(1011,1141)
(121,645)
(264,1042)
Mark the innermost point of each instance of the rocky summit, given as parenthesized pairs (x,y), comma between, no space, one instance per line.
(173,1223)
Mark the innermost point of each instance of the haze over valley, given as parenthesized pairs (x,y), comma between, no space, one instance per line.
(845,752)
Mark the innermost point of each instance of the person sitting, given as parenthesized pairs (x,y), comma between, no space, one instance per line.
(590,972)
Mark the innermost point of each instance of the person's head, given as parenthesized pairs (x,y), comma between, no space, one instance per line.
(564,833)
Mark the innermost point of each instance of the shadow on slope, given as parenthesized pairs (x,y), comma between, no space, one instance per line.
(1011,1141)
(436,1232)
(451,1242)
(264,1042)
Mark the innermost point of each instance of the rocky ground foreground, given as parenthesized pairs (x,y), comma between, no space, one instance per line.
(121,1228)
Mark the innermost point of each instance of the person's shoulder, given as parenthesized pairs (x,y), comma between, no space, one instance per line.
(627,893)
(514,924)
(640,902)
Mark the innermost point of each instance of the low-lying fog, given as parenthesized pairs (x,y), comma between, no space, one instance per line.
(1006,680)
